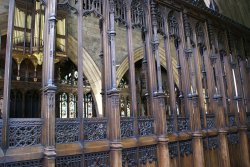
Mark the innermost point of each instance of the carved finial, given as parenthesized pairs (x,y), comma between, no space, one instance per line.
(211,33)
(230,41)
(187,27)
(153,13)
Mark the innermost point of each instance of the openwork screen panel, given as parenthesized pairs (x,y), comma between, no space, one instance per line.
(25,132)
(95,129)
(186,147)
(129,157)
(127,127)
(1,130)
(210,121)
(173,149)
(211,143)
(147,154)
(67,130)
(31,163)
(248,118)
(69,161)
(146,126)
(100,159)
(231,120)
(233,138)
(170,125)
(183,124)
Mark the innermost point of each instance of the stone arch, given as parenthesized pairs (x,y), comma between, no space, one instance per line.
(138,55)
(91,71)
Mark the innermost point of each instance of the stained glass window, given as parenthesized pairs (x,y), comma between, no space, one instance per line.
(63,105)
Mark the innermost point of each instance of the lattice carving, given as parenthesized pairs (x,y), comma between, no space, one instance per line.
(69,161)
(120,12)
(100,159)
(202,122)
(127,127)
(137,14)
(248,118)
(205,143)
(1,130)
(213,143)
(170,125)
(31,163)
(210,121)
(92,6)
(146,126)
(232,121)
(147,154)
(183,124)
(67,130)
(233,138)
(95,129)
(200,35)
(186,147)
(173,149)
(25,132)
(129,157)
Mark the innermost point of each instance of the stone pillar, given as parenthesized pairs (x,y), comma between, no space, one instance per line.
(49,88)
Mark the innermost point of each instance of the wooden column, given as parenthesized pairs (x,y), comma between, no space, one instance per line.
(170,76)
(151,78)
(7,76)
(49,88)
(198,154)
(237,53)
(132,83)
(80,66)
(184,78)
(113,95)
(198,38)
(160,115)
(218,98)
(106,57)
(245,77)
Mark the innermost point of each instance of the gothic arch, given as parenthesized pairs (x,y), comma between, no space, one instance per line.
(138,55)
(91,71)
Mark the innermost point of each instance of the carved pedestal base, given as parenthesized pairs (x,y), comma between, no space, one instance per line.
(162,152)
(244,146)
(49,157)
(115,154)
(198,153)
(224,151)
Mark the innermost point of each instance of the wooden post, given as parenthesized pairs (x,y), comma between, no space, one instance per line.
(49,88)
(160,115)
(198,153)
(241,109)
(132,83)
(151,78)
(80,66)
(7,76)
(218,98)
(113,95)
(170,77)
(184,77)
